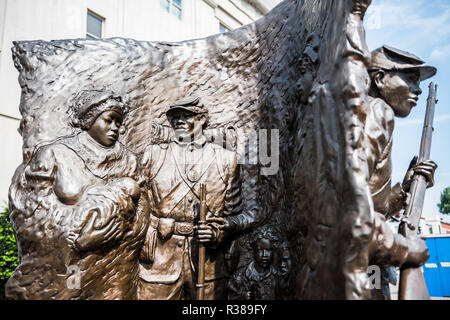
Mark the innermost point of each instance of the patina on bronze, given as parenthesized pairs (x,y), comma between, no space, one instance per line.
(184,219)
(76,206)
(261,279)
(395,81)
(303,70)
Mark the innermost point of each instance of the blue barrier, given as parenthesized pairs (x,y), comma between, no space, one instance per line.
(437,268)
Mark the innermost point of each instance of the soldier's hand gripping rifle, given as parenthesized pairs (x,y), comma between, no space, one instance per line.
(412,281)
(201,246)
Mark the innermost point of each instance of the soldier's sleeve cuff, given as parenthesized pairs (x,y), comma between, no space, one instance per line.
(232,224)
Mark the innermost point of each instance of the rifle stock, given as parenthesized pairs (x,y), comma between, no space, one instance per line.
(412,281)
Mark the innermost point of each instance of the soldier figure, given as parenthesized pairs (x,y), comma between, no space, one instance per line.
(174,172)
(395,79)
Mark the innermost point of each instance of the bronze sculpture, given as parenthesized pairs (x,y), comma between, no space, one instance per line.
(412,284)
(77,203)
(174,173)
(395,78)
(303,70)
(259,280)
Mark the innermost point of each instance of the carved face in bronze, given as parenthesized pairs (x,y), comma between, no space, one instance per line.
(400,89)
(286,262)
(263,252)
(105,129)
(187,123)
(305,83)
(308,64)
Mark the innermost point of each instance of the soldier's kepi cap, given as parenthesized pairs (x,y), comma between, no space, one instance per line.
(189,104)
(389,58)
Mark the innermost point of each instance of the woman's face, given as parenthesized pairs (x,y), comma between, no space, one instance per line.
(105,129)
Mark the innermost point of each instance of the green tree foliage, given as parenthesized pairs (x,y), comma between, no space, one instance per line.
(8,250)
(444,206)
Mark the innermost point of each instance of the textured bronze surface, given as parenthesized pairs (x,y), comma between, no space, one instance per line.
(304,230)
(76,204)
(394,91)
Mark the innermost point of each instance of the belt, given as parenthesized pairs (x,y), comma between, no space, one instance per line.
(180,228)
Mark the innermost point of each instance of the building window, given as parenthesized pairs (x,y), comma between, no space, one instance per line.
(430,228)
(223,28)
(173,6)
(94,29)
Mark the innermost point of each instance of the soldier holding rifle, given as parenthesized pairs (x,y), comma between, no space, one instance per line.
(395,79)
(176,173)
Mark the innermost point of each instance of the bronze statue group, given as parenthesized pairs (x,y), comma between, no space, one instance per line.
(130,224)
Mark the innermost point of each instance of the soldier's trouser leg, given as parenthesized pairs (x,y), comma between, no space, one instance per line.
(184,287)
(160,291)
(216,289)
(181,289)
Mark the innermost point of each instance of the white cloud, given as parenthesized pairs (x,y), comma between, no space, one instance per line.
(403,15)
(415,122)
(420,25)
(440,53)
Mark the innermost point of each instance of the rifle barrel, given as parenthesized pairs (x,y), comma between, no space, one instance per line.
(427,133)
(412,282)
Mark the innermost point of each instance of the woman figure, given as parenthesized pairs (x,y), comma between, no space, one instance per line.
(78,212)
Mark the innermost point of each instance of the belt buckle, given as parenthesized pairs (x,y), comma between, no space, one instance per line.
(184,229)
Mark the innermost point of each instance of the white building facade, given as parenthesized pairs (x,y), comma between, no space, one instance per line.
(146,20)
(433,225)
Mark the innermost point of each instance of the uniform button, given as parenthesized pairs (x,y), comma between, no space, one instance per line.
(180,243)
(193,175)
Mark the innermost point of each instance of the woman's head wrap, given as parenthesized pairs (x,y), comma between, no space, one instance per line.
(89,104)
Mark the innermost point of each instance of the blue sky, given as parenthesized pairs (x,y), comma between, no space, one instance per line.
(421,27)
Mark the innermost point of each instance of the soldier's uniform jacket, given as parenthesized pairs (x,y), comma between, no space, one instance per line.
(386,248)
(379,128)
(174,172)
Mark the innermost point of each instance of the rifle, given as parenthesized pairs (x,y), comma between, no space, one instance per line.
(412,281)
(201,246)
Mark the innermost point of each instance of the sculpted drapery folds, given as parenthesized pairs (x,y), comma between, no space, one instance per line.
(78,212)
